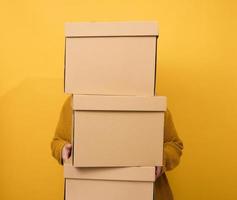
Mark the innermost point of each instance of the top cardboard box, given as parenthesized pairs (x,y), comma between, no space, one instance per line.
(111,58)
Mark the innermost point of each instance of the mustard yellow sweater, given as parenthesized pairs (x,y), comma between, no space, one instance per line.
(173,147)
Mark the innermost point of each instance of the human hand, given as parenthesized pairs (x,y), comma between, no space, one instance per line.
(66,151)
(158,171)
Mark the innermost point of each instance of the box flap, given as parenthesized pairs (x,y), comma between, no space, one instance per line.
(90,29)
(110,173)
(121,103)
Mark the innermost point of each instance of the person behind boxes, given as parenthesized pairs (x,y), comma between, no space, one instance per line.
(173,146)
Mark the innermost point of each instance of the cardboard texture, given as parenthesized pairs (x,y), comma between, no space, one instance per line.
(100,102)
(110,173)
(107,190)
(110,137)
(111,58)
(109,183)
(90,29)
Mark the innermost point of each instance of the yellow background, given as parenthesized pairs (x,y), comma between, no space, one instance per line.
(197,70)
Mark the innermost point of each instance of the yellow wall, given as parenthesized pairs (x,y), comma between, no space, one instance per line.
(197,71)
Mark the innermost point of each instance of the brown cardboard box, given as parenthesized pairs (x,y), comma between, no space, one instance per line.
(111,131)
(110,58)
(126,183)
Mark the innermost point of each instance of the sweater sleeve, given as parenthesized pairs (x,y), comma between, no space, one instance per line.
(62,133)
(173,145)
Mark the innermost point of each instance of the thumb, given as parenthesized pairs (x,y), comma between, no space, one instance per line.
(68,146)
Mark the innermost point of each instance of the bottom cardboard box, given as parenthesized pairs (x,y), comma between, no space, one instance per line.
(123,183)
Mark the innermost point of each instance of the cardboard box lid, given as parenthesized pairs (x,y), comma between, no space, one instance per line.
(121,103)
(90,29)
(146,174)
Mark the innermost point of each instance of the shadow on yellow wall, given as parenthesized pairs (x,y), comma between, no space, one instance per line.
(29,115)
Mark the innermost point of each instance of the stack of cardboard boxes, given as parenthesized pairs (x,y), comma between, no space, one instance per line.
(118,122)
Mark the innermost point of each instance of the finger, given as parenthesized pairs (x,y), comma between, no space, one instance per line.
(68,154)
(64,156)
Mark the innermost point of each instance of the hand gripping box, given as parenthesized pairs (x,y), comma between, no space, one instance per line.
(110,58)
(125,183)
(111,131)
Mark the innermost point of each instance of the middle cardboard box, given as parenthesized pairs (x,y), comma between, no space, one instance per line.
(113,131)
